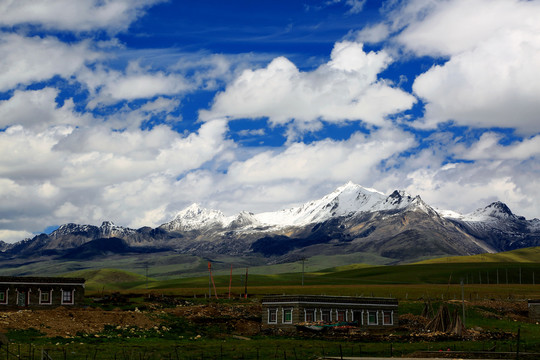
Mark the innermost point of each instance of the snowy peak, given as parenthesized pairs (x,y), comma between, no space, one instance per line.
(243,219)
(493,212)
(499,210)
(108,229)
(68,229)
(345,200)
(195,217)
(397,200)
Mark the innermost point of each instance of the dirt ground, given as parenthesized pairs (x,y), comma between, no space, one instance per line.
(241,319)
(67,322)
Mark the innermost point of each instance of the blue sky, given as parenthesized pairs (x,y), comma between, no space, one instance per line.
(131,110)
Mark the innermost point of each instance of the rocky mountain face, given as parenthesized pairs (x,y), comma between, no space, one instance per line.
(498,227)
(351,219)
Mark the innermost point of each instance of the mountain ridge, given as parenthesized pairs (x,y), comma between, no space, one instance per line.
(351,219)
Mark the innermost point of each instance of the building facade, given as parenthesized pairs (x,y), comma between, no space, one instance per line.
(534,309)
(288,311)
(40,292)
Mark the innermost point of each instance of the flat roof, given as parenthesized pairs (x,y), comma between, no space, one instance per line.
(31,280)
(324,299)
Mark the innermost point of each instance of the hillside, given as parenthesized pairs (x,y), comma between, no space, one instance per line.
(526,255)
(108,278)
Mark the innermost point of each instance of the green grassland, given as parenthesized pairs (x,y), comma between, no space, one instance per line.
(517,267)
(526,255)
(171,266)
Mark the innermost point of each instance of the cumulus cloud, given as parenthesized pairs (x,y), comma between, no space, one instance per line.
(27,156)
(37,109)
(24,60)
(446,28)
(463,187)
(332,160)
(80,15)
(65,174)
(493,51)
(489,147)
(345,88)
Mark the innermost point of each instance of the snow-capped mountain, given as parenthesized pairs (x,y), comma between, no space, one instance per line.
(497,226)
(346,200)
(352,219)
(492,213)
(195,217)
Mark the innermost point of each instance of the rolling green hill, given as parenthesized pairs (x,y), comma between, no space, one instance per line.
(109,279)
(525,255)
(516,267)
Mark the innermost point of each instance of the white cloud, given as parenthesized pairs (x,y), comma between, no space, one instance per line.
(80,15)
(37,109)
(488,147)
(65,174)
(337,161)
(346,88)
(373,34)
(447,28)
(24,60)
(109,86)
(12,236)
(356,5)
(27,156)
(99,156)
(491,78)
(463,187)
(497,84)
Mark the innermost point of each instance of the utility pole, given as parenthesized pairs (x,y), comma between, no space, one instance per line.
(209,280)
(245,288)
(303,259)
(463,302)
(230,283)
(146,268)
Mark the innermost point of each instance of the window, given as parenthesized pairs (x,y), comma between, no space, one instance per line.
(67,297)
(287,316)
(326,316)
(3,297)
(309,315)
(372,318)
(45,297)
(388,317)
(272,316)
(341,315)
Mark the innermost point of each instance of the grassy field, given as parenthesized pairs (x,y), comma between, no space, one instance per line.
(500,278)
(526,255)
